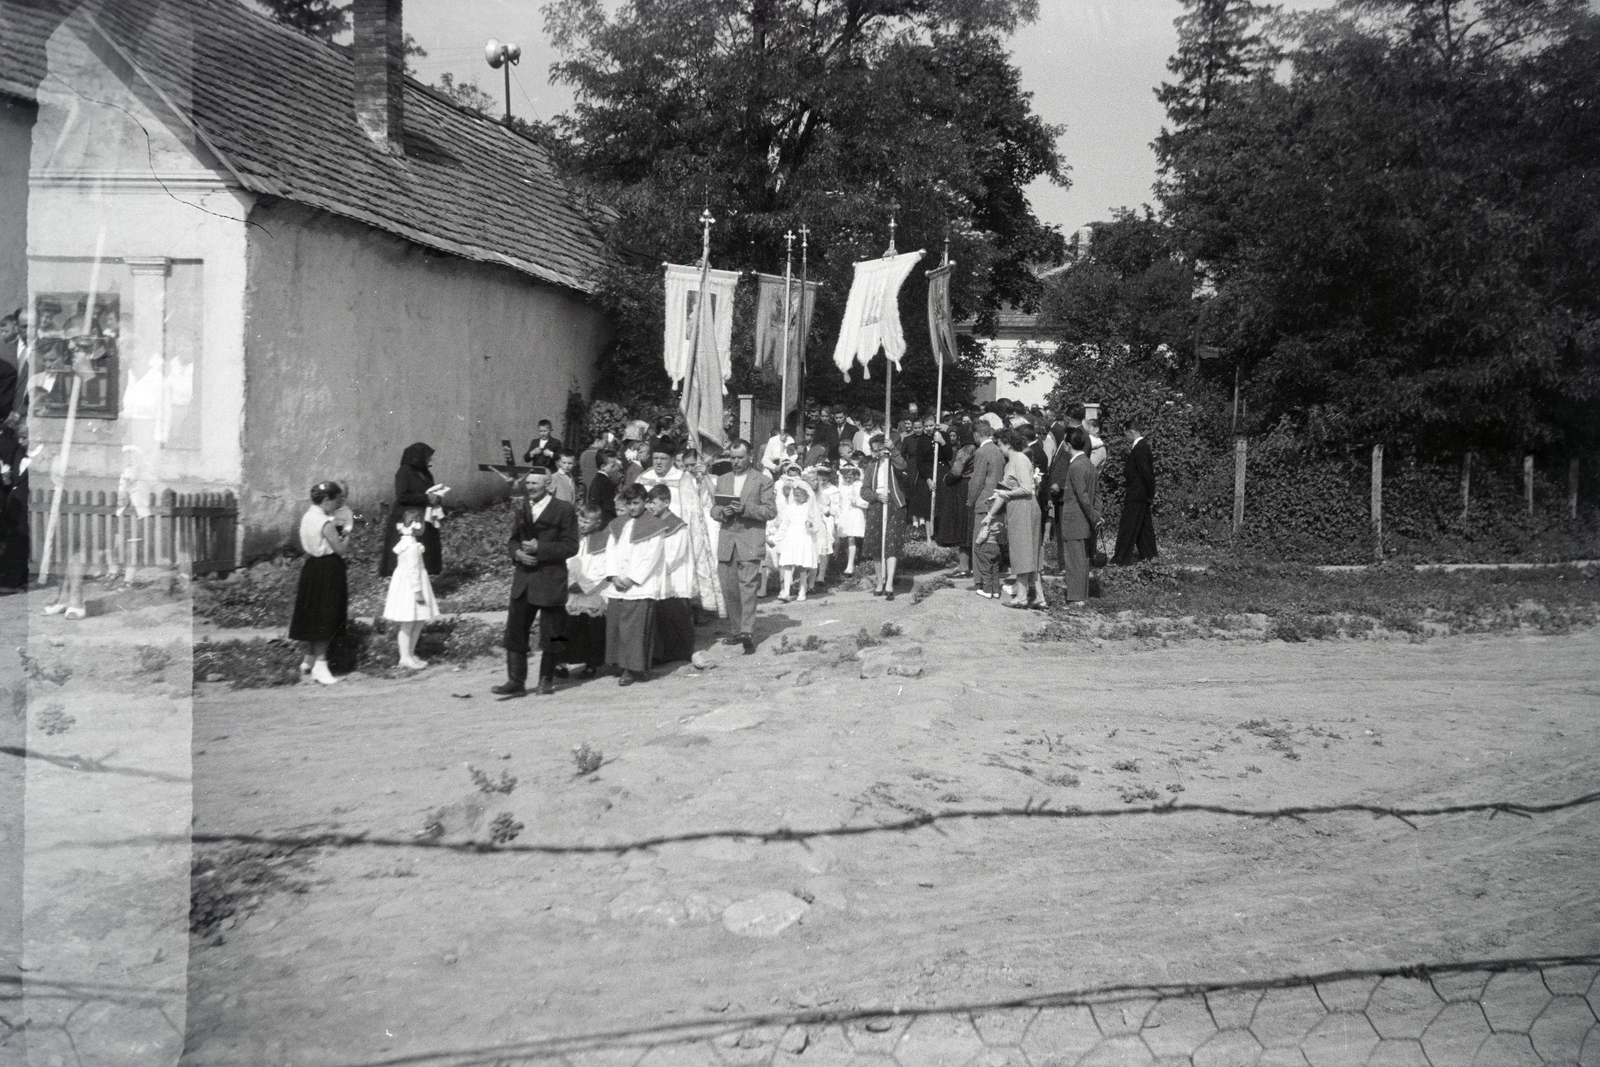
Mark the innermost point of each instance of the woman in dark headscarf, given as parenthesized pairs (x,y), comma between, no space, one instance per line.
(952,522)
(411,484)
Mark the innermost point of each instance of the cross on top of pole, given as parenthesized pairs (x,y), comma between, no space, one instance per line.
(788,240)
(706,222)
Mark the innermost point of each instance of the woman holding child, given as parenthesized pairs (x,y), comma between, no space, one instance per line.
(414,487)
(321,598)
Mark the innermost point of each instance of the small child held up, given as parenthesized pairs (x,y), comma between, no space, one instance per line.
(410,602)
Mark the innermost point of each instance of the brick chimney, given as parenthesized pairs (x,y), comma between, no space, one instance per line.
(380,63)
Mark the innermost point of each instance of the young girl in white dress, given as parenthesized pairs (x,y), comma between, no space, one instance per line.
(852,515)
(410,602)
(828,502)
(795,539)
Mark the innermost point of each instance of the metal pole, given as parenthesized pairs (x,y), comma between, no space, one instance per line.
(788,292)
(508,90)
(805,292)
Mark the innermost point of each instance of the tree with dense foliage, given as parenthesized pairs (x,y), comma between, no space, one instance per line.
(834,114)
(326,20)
(1399,220)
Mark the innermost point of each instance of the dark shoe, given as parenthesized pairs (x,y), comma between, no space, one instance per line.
(626,678)
(516,682)
(588,672)
(888,595)
(546,687)
(877,592)
(561,672)
(749,643)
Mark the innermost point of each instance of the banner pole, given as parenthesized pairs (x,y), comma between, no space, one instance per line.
(788,295)
(706,222)
(805,320)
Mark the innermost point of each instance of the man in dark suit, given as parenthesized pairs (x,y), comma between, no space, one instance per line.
(544,535)
(602,491)
(826,434)
(545,449)
(1136,533)
(846,432)
(745,502)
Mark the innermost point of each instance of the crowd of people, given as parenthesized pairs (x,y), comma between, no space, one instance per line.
(620,551)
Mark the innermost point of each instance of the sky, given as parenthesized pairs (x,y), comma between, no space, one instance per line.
(1091,65)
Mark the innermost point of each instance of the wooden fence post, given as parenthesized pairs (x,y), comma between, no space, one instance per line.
(1466,483)
(1572,488)
(1377,502)
(1239,449)
(1527,480)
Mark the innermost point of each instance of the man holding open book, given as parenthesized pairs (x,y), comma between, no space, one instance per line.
(745,502)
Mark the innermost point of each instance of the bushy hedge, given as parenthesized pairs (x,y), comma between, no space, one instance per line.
(1304,503)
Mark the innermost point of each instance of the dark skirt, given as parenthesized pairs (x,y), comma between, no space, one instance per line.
(586,640)
(630,633)
(674,630)
(952,525)
(872,542)
(432,551)
(320,600)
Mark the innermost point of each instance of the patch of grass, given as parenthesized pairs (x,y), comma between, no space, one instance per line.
(921,556)
(889,629)
(1305,604)
(54,720)
(504,829)
(812,643)
(152,659)
(261,664)
(1129,765)
(928,586)
(231,881)
(864,639)
(485,784)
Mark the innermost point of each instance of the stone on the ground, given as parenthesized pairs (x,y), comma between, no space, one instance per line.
(727,719)
(766,915)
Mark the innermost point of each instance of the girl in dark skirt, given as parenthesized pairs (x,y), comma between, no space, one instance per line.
(411,484)
(320,600)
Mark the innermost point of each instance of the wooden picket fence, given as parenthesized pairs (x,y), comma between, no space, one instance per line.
(195,533)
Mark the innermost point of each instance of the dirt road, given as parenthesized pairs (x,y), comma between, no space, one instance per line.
(396,951)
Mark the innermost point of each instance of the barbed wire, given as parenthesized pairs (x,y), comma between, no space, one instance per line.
(710,1030)
(918,821)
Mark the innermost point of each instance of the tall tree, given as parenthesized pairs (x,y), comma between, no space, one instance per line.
(1382,227)
(833,113)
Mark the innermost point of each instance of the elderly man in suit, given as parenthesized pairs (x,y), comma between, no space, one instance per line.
(544,535)
(1078,516)
(1136,534)
(746,501)
(988,467)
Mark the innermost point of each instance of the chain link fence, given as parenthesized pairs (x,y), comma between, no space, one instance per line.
(1495,1013)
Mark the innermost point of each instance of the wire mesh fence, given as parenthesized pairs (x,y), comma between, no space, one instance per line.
(1493,1013)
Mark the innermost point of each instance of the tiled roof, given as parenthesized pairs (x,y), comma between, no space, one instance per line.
(277,106)
(25,25)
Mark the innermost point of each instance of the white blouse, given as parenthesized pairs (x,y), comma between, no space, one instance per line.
(312,524)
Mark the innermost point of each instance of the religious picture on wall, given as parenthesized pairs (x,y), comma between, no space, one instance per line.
(70,342)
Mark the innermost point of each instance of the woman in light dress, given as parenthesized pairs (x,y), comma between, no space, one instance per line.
(1017,493)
